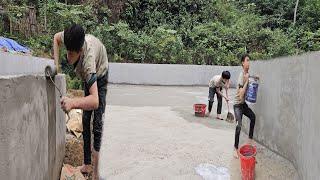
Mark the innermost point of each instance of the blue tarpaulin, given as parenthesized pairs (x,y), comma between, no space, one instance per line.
(12,45)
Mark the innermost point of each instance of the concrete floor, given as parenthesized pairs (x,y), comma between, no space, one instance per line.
(150,132)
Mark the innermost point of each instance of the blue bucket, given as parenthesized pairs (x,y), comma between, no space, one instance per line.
(252,91)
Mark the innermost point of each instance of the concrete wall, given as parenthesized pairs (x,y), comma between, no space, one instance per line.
(32,125)
(287,110)
(11,64)
(167,74)
(32,129)
(24,128)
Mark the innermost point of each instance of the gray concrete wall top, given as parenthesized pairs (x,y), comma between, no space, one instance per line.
(11,64)
(287,107)
(167,74)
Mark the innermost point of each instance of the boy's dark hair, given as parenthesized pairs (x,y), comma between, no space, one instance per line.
(74,37)
(226,75)
(243,57)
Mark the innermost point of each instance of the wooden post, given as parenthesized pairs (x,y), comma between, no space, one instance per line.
(32,20)
(10,26)
(45,16)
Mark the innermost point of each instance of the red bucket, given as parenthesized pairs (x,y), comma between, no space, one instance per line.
(200,110)
(248,161)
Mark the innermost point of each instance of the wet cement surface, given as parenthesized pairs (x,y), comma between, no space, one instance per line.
(150,132)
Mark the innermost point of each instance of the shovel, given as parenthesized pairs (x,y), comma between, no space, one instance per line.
(230,116)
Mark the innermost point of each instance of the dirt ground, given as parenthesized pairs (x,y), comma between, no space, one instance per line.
(75,93)
(74,145)
(74,151)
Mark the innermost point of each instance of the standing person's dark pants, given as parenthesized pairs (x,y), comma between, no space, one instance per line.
(239,111)
(212,92)
(97,120)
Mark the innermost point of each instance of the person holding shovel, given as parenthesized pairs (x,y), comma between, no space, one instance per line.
(216,84)
(90,62)
(240,106)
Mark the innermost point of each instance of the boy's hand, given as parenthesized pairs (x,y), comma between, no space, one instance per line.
(66,104)
(227,99)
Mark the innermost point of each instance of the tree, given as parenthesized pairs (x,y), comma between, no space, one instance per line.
(295,12)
